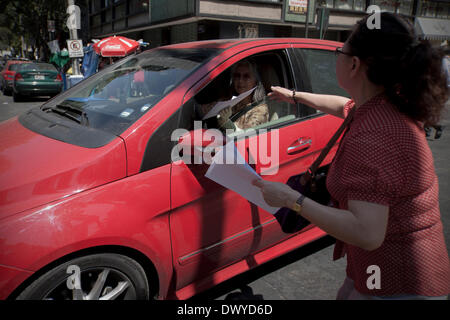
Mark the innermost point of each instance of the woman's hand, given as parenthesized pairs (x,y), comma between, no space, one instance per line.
(277,194)
(281,94)
(224,115)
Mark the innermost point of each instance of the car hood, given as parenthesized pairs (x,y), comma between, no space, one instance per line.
(35,170)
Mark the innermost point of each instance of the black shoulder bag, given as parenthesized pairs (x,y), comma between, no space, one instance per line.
(311,185)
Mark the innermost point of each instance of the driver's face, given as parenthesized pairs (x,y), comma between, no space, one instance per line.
(243,79)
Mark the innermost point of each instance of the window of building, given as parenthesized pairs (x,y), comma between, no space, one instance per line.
(97,5)
(328,3)
(276,1)
(406,7)
(109,15)
(442,10)
(386,5)
(344,4)
(96,20)
(357,5)
(427,8)
(137,6)
(120,11)
(396,6)
(360,5)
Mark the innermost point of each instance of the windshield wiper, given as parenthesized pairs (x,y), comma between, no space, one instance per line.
(65,109)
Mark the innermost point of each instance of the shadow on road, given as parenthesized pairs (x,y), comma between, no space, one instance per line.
(34,99)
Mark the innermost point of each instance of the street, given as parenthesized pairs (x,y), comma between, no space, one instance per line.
(309,272)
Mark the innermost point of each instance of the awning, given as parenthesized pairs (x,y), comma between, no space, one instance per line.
(433,29)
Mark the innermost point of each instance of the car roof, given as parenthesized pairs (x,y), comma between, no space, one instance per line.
(13,61)
(227,43)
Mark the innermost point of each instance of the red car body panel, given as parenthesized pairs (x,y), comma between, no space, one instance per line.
(58,199)
(131,212)
(35,170)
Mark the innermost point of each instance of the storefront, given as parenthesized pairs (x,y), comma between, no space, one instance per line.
(434,30)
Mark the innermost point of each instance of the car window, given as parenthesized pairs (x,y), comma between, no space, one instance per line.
(256,111)
(35,67)
(321,68)
(13,67)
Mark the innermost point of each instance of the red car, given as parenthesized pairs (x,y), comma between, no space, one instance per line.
(94,205)
(8,73)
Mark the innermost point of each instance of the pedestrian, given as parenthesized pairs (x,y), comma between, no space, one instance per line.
(387,221)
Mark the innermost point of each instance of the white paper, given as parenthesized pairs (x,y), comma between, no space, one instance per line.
(238,176)
(219,106)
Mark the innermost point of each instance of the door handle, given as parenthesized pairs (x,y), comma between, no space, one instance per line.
(300,145)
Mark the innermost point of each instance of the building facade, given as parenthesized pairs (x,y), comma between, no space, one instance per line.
(162,22)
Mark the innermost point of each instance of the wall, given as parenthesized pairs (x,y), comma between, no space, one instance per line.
(161,10)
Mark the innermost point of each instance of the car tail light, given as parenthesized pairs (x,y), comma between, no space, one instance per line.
(58,77)
(18,77)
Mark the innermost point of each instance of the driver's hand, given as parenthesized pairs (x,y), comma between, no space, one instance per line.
(224,115)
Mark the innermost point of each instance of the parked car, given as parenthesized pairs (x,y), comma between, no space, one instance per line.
(93,203)
(36,79)
(8,73)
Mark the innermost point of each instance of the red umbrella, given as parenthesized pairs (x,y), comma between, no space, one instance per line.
(116,46)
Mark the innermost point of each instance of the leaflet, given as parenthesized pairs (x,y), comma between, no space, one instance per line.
(219,106)
(229,169)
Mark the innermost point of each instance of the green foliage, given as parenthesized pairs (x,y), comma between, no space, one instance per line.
(28,18)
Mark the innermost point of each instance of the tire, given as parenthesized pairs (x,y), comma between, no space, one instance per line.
(6,92)
(115,276)
(17,97)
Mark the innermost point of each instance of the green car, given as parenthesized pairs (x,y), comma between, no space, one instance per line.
(36,79)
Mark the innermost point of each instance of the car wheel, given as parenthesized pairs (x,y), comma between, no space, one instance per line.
(94,277)
(17,97)
(6,92)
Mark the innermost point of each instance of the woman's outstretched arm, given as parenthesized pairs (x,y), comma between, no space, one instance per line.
(330,104)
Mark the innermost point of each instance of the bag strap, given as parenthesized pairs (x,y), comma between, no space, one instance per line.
(313,168)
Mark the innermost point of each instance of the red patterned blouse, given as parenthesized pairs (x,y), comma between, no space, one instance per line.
(384,158)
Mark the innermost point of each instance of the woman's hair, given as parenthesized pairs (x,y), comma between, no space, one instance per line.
(409,70)
(259,92)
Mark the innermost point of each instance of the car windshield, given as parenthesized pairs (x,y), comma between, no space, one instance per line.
(117,96)
(14,66)
(35,67)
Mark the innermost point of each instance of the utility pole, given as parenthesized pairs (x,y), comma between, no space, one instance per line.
(307,19)
(73,33)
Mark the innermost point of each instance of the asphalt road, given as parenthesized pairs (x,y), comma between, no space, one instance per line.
(308,272)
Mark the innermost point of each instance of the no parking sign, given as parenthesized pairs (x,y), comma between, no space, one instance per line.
(75,48)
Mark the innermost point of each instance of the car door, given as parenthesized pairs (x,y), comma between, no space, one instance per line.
(318,63)
(300,140)
(212,226)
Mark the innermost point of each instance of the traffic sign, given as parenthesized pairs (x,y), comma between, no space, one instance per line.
(75,48)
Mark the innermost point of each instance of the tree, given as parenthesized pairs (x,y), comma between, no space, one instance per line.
(28,19)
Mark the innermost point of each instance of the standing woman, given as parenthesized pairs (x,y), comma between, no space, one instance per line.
(383,175)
